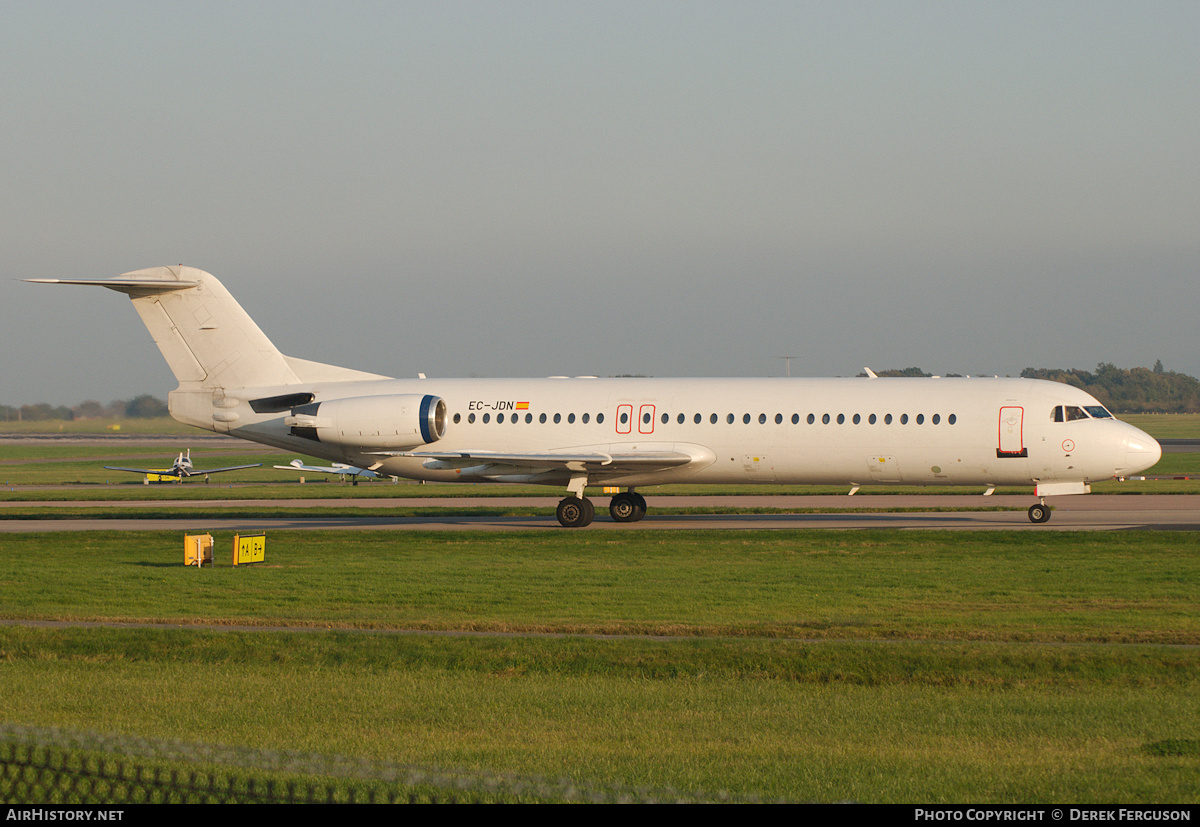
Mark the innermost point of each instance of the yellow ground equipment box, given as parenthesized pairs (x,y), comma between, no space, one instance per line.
(197,550)
(249,548)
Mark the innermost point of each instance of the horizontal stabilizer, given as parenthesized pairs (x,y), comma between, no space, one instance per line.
(128,286)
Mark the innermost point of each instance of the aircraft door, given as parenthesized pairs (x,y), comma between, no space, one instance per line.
(1012,434)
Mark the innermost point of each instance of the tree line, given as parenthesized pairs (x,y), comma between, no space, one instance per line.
(140,407)
(1136,390)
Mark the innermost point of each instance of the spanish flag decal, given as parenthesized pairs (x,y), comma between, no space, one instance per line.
(522,406)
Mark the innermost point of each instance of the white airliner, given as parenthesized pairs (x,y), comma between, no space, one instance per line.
(630,433)
(181,468)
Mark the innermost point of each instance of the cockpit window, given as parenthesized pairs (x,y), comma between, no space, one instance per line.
(1070,413)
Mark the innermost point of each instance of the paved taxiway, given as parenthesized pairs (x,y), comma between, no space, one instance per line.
(1096,512)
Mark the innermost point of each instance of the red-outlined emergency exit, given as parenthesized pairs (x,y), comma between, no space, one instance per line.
(624,419)
(646,419)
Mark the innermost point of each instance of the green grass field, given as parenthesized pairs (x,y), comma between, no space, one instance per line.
(807,666)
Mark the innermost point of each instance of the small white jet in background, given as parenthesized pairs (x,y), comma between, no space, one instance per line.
(339,468)
(181,468)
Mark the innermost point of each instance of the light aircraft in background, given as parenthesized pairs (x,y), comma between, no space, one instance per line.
(627,433)
(182,468)
(340,468)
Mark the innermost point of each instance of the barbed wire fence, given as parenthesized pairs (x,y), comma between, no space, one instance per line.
(41,765)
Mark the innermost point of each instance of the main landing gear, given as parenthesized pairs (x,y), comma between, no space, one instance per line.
(577,511)
(1039,513)
(628,507)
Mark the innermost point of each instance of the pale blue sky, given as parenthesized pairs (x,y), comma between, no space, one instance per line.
(667,188)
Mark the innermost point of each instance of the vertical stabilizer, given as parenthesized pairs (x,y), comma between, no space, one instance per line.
(208,340)
(203,333)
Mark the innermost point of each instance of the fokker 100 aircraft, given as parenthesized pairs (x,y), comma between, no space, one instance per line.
(628,433)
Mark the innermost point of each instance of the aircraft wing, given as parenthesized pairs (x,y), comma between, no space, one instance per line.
(196,471)
(581,461)
(162,472)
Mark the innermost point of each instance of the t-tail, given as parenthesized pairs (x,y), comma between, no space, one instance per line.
(210,343)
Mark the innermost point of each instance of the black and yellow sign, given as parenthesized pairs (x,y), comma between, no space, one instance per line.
(249,548)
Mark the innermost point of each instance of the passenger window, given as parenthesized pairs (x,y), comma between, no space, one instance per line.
(841,419)
(920,419)
(729,418)
(903,419)
(624,418)
(825,419)
(471,418)
(557,418)
(778,419)
(871,419)
(499,417)
(887,419)
(795,419)
(951,419)
(542,419)
(713,419)
(811,419)
(697,419)
(487,418)
(599,419)
(857,419)
(937,418)
(571,419)
(745,419)
(680,419)
(457,417)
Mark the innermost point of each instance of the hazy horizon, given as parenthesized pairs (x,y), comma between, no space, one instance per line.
(576,188)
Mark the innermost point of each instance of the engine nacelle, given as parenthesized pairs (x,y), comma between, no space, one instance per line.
(399,421)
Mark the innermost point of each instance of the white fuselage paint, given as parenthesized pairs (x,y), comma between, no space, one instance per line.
(941,431)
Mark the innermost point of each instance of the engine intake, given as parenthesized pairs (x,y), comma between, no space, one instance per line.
(397,421)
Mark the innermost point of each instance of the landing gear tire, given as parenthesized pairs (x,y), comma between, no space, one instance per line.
(574,512)
(622,508)
(1039,513)
(628,507)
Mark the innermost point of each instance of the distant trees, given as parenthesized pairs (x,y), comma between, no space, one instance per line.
(140,407)
(1137,390)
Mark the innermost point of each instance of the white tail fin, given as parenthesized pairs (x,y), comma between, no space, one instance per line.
(208,340)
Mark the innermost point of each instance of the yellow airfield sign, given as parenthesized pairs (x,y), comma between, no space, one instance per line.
(197,550)
(249,548)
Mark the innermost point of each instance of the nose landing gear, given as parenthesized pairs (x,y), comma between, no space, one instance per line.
(1039,513)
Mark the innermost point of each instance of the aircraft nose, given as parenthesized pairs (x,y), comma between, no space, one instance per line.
(1141,452)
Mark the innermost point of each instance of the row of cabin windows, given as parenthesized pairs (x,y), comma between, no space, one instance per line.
(624,417)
